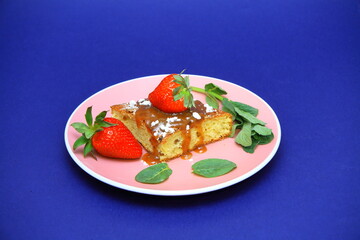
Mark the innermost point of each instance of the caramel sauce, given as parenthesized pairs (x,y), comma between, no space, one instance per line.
(200,149)
(160,124)
(150,159)
(186,156)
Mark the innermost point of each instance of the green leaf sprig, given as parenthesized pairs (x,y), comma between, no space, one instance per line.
(89,129)
(213,167)
(253,131)
(209,168)
(154,174)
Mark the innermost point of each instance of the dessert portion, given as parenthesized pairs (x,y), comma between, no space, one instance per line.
(170,135)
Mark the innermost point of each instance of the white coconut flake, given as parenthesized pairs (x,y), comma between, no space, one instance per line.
(152,124)
(144,102)
(196,115)
(162,129)
(209,108)
(173,119)
(131,105)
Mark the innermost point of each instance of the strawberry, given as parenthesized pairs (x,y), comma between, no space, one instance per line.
(172,94)
(108,136)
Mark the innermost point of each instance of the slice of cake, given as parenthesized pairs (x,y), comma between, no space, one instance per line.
(170,135)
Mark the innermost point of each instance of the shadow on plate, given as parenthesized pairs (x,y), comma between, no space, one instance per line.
(209,198)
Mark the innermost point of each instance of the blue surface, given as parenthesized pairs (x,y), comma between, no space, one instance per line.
(301,56)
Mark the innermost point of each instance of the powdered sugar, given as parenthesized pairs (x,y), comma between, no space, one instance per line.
(144,102)
(209,108)
(161,129)
(196,115)
(131,105)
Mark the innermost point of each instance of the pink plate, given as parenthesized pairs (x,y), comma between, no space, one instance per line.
(121,173)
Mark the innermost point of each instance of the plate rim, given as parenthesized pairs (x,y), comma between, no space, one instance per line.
(172,192)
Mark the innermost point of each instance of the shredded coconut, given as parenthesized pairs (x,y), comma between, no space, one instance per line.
(173,119)
(209,108)
(196,115)
(144,102)
(163,128)
(154,123)
(131,105)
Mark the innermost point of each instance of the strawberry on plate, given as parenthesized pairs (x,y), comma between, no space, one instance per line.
(108,136)
(172,95)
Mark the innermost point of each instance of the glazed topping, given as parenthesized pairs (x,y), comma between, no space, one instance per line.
(161,123)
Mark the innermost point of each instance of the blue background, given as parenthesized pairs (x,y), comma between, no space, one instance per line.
(301,56)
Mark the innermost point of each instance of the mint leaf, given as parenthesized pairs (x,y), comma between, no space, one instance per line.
(228,107)
(244,107)
(251,148)
(244,136)
(212,88)
(213,167)
(154,174)
(234,127)
(263,139)
(212,101)
(262,130)
(249,117)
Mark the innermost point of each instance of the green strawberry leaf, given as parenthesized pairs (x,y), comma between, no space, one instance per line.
(89,133)
(179,96)
(187,81)
(80,141)
(178,78)
(88,116)
(176,91)
(183,91)
(102,124)
(89,130)
(80,127)
(100,117)
(188,100)
(88,148)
